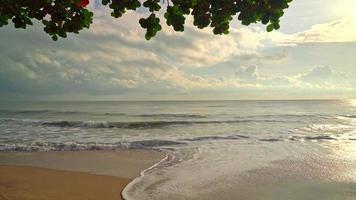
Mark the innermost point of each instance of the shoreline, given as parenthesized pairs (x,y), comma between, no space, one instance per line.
(124,192)
(56,175)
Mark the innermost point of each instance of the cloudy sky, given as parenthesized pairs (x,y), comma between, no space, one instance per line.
(312,56)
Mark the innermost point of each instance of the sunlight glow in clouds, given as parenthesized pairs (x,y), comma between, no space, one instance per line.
(340,30)
(344,8)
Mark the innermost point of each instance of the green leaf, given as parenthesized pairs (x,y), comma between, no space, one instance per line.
(270,27)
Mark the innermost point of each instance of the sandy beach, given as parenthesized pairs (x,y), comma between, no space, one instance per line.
(70,175)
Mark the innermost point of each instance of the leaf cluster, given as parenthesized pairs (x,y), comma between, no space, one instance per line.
(60,17)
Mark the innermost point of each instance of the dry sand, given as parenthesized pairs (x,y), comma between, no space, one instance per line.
(71,175)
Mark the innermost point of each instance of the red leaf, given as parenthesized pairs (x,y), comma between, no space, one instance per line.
(83,3)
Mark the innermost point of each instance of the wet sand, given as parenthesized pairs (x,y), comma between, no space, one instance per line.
(71,175)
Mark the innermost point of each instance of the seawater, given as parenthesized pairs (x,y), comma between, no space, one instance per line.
(215,149)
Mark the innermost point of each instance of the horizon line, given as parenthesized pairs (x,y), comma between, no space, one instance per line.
(171,100)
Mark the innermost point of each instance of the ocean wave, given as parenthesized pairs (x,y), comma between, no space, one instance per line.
(154,143)
(172,115)
(319,116)
(326,128)
(144,124)
(270,140)
(313,138)
(229,137)
(159,115)
(90,146)
(162,115)
(320,137)
(40,112)
(114,114)
(348,116)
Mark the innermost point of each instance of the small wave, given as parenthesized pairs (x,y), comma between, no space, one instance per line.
(172,115)
(287,116)
(348,116)
(123,125)
(80,124)
(160,115)
(230,137)
(217,106)
(90,146)
(127,125)
(270,140)
(143,124)
(313,138)
(49,146)
(325,128)
(40,112)
(114,114)
(154,143)
(319,137)
(20,121)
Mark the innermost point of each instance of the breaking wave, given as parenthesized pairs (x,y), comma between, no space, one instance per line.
(130,125)
(89,146)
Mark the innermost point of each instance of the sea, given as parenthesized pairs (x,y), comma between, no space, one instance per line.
(248,150)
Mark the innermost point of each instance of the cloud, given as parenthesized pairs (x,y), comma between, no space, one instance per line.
(318,77)
(114,58)
(191,48)
(251,75)
(320,74)
(325,76)
(340,30)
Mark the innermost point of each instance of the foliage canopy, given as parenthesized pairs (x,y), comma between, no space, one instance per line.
(60,17)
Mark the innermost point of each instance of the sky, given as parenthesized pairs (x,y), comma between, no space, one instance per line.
(312,56)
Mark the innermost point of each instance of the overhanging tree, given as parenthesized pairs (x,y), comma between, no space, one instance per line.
(60,17)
